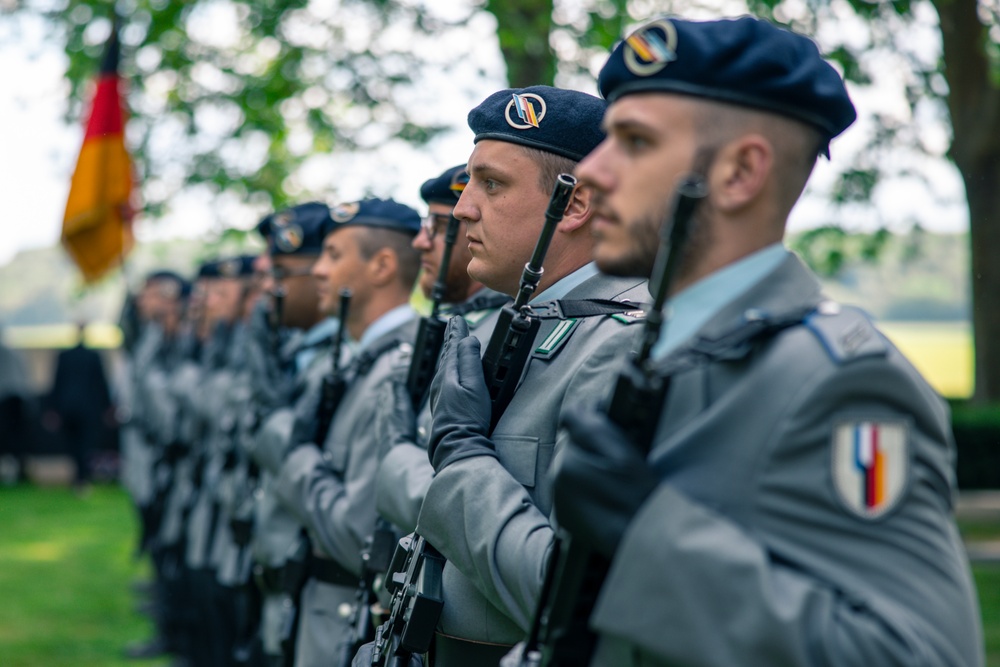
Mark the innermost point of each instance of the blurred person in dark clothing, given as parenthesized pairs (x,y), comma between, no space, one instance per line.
(15,401)
(81,404)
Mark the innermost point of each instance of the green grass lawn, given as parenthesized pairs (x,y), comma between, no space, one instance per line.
(66,565)
(65,572)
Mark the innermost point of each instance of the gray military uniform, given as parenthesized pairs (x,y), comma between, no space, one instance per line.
(489,516)
(276,529)
(332,492)
(758,549)
(405,472)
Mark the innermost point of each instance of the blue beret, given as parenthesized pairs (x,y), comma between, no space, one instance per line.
(227,267)
(164,275)
(381,213)
(564,122)
(298,230)
(446,188)
(181,288)
(744,61)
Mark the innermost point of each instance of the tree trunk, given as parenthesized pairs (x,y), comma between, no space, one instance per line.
(523,28)
(974,104)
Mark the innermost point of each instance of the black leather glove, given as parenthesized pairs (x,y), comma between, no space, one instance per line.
(305,423)
(460,401)
(395,423)
(601,481)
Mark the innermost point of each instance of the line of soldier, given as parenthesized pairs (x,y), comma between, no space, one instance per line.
(750,475)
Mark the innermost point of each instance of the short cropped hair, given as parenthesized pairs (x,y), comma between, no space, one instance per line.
(373,239)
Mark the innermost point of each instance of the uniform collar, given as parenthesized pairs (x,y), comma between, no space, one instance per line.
(384,324)
(564,285)
(692,308)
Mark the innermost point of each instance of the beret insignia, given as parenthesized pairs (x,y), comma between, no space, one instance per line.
(529,114)
(650,48)
(230,268)
(282,219)
(458,182)
(345,212)
(288,238)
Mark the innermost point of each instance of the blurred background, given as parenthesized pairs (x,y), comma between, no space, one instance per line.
(233,109)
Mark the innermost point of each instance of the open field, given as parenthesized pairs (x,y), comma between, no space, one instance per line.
(942,351)
(66,566)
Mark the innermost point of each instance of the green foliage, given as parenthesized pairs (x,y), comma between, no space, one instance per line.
(236,95)
(826,249)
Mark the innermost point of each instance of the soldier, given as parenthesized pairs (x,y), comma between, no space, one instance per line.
(288,332)
(404,471)
(226,281)
(487,508)
(797,505)
(326,476)
(149,457)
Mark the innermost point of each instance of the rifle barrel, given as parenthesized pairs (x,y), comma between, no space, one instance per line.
(533,270)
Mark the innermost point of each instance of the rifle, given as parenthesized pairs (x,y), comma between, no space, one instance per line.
(430,335)
(510,345)
(559,635)
(377,555)
(277,314)
(415,574)
(334,384)
(295,572)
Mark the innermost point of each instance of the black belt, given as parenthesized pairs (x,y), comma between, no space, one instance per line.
(452,651)
(330,571)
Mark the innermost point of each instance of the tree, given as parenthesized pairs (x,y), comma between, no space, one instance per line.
(237,96)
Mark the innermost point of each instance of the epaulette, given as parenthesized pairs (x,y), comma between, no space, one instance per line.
(569,312)
(846,333)
(474,318)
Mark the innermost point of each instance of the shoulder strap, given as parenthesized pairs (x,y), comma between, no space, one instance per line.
(734,343)
(563,309)
(361,364)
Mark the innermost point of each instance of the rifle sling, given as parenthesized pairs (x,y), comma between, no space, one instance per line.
(561,309)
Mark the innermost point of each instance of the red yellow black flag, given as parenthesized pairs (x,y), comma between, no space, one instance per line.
(97,226)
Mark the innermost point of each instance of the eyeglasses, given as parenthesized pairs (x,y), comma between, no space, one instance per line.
(280,273)
(432,223)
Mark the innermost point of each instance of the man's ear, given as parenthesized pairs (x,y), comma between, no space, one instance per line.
(741,171)
(382,267)
(579,210)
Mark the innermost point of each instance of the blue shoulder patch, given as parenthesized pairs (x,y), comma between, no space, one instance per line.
(846,333)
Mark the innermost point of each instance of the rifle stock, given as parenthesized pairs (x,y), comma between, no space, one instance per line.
(430,335)
(334,384)
(560,636)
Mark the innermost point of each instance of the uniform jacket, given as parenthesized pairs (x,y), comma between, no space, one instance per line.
(753,551)
(489,516)
(405,472)
(332,490)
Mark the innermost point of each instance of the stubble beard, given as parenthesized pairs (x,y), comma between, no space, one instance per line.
(643,240)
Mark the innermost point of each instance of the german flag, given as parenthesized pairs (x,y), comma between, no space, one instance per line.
(97,226)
